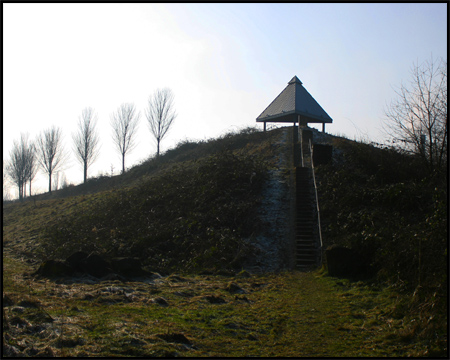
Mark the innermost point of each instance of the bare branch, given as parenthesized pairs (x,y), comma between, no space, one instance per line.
(160,114)
(22,166)
(420,112)
(125,124)
(86,140)
(51,153)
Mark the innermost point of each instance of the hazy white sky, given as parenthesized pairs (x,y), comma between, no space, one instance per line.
(224,62)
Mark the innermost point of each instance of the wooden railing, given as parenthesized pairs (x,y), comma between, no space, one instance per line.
(317,199)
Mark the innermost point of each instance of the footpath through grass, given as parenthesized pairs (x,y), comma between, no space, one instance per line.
(287,314)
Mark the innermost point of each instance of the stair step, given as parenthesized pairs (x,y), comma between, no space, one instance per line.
(305,219)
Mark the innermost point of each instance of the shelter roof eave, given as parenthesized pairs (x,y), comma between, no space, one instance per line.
(292,116)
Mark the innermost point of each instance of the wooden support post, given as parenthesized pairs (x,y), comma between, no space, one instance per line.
(299,128)
(302,122)
(323,127)
(264,126)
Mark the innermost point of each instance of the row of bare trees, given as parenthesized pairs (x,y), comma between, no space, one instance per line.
(48,151)
(27,156)
(160,114)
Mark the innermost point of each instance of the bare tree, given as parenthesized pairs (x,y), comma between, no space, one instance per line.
(160,114)
(31,165)
(417,120)
(15,167)
(125,124)
(51,153)
(86,140)
(6,183)
(21,166)
(59,180)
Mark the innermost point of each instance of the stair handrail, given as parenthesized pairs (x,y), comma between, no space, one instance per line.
(301,151)
(317,199)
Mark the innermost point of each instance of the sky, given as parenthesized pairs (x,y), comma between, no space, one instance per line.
(225,63)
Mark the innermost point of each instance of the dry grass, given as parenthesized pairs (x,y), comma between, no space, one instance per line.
(287,314)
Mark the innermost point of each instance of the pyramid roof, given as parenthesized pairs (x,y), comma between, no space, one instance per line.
(294,100)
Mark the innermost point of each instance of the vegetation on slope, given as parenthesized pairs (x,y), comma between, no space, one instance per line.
(192,217)
(191,209)
(387,207)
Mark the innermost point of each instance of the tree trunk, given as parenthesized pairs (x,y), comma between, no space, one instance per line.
(85,172)
(157,148)
(123,163)
(20,191)
(50,183)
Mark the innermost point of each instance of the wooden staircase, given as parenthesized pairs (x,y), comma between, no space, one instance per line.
(306,220)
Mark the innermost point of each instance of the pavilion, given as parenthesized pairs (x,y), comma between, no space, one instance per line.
(295,105)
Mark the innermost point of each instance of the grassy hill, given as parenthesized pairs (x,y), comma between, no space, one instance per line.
(196,209)
(190,209)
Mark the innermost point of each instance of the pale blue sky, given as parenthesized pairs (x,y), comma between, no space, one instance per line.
(224,62)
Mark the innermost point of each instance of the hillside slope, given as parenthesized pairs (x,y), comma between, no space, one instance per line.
(198,206)
(211,207)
